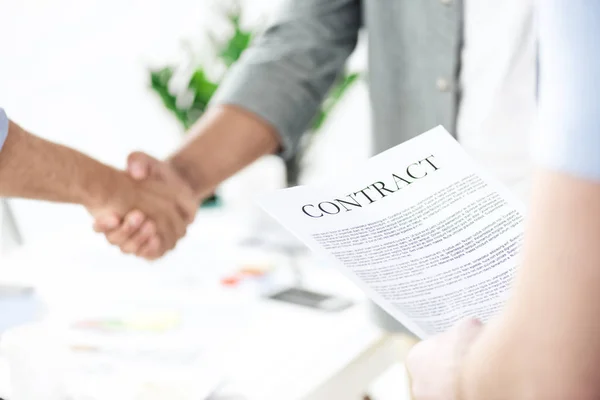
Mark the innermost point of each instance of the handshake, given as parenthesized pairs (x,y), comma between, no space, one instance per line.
(146,209)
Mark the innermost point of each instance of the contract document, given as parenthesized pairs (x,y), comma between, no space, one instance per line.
(428,235)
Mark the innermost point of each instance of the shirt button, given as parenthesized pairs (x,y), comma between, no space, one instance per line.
(442,84)
(446,2)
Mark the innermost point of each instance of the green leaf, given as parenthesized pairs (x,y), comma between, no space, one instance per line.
(231,50)
(340,90)
(335,95)
(159,82)
(319,120)
(202,87)
(235,46)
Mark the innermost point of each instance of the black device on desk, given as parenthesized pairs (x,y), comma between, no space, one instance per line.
(312,299)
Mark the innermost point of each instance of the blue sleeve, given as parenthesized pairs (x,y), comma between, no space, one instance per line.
(3,127)
(568,137)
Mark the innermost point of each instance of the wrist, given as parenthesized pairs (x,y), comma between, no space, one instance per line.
(192,174)
(224,141)
(101,186)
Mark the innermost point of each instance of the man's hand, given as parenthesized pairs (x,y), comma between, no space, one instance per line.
(140,231)
(435,364)
(225,140)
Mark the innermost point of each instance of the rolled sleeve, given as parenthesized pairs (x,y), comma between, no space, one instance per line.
(267,92)
(285,76)
(3,128)
(568,137)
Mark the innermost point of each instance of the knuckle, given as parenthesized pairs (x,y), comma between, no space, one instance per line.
(120,236)
(119,239)
(148,254)
(141,252)
(139,241)
(150,228)
(133,246)
(111,239)
(141,237)
(152,254)
(152,247)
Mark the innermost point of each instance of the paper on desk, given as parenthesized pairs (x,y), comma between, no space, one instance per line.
(428,235)
(131,364)
(145,355)
(145,351)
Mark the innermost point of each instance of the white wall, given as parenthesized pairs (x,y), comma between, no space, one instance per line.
(75,72)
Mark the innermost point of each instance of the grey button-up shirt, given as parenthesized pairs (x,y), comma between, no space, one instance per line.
(287,73)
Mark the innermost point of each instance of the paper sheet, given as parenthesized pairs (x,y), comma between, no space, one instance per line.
(425,232)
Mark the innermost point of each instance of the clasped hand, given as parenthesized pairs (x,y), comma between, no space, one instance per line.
(149,209)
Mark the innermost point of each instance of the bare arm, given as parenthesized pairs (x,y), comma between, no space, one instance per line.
(224,141)
(34,168)
(546,345)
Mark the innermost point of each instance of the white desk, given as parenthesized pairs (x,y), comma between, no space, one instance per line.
(289,352)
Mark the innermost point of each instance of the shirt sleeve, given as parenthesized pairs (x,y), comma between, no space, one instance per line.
(568,136)
(3,127)
(284,77)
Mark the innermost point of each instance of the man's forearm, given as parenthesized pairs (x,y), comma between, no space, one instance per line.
(224,141)
(31,167)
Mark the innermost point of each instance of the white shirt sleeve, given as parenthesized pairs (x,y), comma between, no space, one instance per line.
(3,127)
(568,137)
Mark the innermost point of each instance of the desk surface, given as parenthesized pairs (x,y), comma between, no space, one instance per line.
(282,351)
